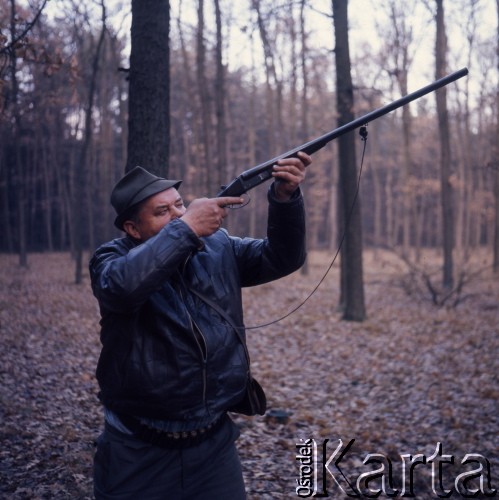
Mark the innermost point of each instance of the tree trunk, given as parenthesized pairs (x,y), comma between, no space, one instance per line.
(80,195)
(191,156)
(204,95)
(445,167)
(5,182)
(378,237)
(148,102)
(252,135)
(19,170)
(496,163)
(304,121)
(47,179)
(351,251)
(276,122)
(400,42)
(464,150)
(220,93)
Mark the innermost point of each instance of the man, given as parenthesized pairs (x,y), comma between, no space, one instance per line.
(171,365)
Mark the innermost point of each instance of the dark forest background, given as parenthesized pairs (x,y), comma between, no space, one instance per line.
(64,69)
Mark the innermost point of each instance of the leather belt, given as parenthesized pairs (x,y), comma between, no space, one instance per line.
(182,439)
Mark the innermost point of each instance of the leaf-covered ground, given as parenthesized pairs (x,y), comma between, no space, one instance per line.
(409,377)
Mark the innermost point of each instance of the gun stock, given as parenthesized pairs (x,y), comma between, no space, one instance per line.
(259,174)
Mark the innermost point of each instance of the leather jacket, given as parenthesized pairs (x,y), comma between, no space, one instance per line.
(165,353)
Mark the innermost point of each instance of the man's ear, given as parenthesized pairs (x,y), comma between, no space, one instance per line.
(131,229)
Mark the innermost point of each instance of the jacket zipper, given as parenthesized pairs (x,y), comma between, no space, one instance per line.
(201,342)
(196,331)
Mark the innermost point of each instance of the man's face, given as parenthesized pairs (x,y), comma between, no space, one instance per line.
(155,213)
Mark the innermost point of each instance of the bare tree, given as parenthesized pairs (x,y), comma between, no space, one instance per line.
(18,37)
(496,165)
(252,125)
(399,52)
(19,165)
(53,75)
(220,92)
(464,188)
(273,95)
(148,102)
(352,286)
(304,113)
(191,156)
(204,96)
(82,168)
(445,158)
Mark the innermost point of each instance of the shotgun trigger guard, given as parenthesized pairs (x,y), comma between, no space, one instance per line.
(247,198)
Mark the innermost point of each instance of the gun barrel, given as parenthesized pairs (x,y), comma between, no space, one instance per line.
(373,115)
(256,175)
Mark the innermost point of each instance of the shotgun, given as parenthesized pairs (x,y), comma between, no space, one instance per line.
(259,174)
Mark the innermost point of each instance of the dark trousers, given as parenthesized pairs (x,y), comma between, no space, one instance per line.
(127,468)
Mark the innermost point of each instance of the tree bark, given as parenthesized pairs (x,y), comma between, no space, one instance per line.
(19,167)
(445,167)
(399,45)
(191,156)
(351,251)
(82,168)
(252,132)
(304,121)
(220,93)
(148,102)
(496,162)
(274,111)
(204,95)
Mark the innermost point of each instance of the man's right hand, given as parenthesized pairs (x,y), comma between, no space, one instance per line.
(205,215)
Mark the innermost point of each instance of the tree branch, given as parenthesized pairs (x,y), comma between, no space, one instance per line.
(27,29)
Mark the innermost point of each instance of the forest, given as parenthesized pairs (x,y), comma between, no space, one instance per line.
(402,227)
(226,119)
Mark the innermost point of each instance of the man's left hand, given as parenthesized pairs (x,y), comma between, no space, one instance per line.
(289,173)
